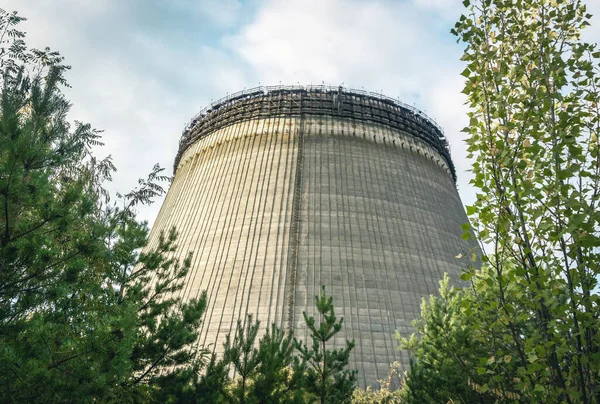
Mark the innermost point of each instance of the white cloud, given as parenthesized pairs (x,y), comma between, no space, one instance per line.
(221,12)
(332,40)
(449,9)
(437,3)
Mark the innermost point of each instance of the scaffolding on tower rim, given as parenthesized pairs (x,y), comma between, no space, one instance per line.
(269,101)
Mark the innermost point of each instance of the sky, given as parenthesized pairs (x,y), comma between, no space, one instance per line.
(142,68)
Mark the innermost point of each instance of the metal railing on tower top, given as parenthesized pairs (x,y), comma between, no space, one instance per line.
(337,101)
(264,90)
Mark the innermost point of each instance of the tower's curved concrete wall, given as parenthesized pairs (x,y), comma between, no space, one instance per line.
(280,191)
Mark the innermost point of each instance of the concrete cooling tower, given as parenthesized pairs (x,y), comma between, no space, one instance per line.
(279,190)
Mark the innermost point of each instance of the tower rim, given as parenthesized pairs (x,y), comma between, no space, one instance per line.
(319,100)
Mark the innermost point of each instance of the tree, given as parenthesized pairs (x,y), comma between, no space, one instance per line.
(447,354)
(325,374)
(386,393)
(242,355)
(83,315)
(276,381)
(165,357)
(261,375)
(213,385)
(532,87)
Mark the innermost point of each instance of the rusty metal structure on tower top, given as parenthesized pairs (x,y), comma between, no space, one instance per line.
(338,102)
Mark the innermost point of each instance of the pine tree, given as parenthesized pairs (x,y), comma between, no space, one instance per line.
(212,387)
(326,377)
(447,356)
(242,355)
(80,318)
(275,381)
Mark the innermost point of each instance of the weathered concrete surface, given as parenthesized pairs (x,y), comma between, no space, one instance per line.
(230,202)
(378,224)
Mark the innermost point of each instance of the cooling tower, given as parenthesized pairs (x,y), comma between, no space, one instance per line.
(279,190)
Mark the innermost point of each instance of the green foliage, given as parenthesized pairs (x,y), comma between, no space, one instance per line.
(533,308)
(83,316)
(382,395)
(385,394)
(243,357)
(447,352)
(213,385)
(276,381)
(271,373)
(263,374)
(165,356)
(325,374)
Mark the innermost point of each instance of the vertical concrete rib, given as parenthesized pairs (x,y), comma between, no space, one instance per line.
(295,227)
(243,192)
